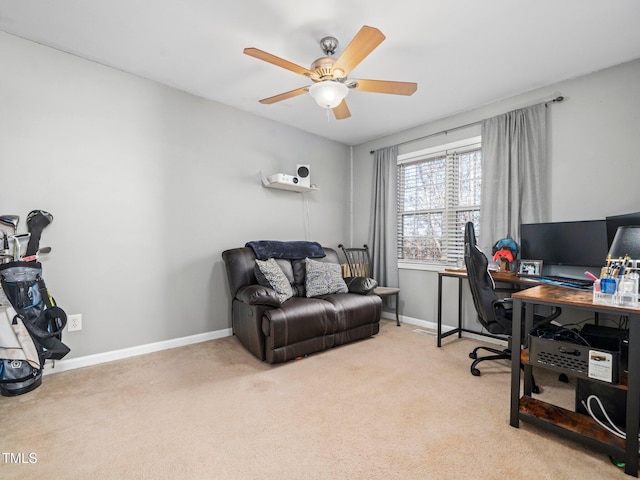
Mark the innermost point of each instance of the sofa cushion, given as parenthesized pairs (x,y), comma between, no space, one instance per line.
(276,278)
(298,320)
(354,310)
(323,278)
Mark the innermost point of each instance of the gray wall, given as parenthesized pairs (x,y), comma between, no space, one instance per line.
(593,154)
(148,185)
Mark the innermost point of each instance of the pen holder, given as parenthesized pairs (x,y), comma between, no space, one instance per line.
(628,290)
(622,291)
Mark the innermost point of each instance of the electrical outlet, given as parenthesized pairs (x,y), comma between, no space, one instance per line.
(74,322)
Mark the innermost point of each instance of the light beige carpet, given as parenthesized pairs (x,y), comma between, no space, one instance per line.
(390,407)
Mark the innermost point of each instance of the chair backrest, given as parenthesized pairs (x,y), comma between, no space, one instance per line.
(358,260)
(482,285)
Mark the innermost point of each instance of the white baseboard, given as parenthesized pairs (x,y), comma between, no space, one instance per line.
(414,321)
(445,328)
(73,363)
(98,358)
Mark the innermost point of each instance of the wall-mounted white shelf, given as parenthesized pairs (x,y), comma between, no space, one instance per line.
(286,186)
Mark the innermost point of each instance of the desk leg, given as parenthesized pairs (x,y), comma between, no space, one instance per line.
(439,310)
(633,397)
(459,308)
(397,305)
(514,419)
(527,368)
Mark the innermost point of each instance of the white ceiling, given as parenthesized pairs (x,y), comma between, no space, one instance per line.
(462,53)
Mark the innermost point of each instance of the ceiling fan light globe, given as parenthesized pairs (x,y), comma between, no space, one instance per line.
(328,94)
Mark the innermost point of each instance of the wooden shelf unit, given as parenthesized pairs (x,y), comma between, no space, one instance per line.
(566,423)
(573,425)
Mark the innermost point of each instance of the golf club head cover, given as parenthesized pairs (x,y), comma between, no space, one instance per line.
(37,220)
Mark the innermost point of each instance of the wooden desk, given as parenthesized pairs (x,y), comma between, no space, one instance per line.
(507,277)
(567,423)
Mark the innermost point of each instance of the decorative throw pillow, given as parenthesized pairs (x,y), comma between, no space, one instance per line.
(324,278)
(285,266)
(276,278)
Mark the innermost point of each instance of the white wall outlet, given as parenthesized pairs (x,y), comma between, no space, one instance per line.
(74,322)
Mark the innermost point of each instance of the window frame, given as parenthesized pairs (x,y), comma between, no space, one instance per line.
(461,146)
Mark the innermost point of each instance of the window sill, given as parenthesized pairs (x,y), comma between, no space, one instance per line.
(428,267)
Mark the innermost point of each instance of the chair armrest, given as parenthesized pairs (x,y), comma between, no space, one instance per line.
(503,307)
(258,295)
(361,285)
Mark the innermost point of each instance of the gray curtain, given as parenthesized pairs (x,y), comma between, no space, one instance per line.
(384,212)
(514,180)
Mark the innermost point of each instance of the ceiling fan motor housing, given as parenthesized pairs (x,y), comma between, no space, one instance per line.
(323,67)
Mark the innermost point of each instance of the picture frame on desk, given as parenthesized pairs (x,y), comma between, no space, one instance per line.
(530,268)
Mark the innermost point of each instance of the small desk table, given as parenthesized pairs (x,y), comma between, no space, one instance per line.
(498,276)
(566,423)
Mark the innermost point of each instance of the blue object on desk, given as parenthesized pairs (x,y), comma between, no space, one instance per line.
(608,285)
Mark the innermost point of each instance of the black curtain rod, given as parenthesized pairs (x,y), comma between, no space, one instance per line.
(555,100)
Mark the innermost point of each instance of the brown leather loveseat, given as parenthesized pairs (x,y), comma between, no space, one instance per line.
(277,329)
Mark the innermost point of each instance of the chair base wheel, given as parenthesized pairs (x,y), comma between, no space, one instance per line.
(475,372)
(473,355)
(535,389)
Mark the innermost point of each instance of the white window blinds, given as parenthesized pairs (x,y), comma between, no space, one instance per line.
(438,193)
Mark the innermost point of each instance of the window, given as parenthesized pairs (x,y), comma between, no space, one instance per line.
(438,193)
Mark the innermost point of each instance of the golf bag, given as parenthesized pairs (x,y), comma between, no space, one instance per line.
(32,311)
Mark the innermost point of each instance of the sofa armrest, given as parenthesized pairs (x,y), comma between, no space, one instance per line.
(258,295)
(361,285)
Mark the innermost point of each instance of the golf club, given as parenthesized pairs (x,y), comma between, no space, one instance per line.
(16,244)
(36,256)
(5,253)
(11,221)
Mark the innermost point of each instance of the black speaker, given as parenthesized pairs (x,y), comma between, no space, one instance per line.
(303,173)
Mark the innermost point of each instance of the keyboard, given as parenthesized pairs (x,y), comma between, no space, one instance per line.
(581,283)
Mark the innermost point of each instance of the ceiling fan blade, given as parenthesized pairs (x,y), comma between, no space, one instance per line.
(365,41)
(384,86)
(284,96)
(341,111)
(279,62)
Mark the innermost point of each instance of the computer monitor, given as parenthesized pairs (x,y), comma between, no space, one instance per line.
(582,244)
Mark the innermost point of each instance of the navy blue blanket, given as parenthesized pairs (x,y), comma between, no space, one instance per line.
(265,249)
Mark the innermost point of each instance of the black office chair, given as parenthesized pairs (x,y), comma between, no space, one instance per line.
(359,262)
(494,314)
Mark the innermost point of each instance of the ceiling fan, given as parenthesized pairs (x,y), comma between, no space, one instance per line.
(329,75)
